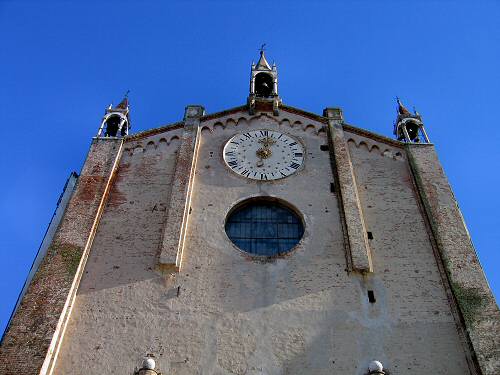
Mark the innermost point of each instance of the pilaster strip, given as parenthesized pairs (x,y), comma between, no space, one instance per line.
(174,234)
(353,215)
(470,288)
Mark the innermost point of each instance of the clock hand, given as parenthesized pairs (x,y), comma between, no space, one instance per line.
(267,142)
(263,153)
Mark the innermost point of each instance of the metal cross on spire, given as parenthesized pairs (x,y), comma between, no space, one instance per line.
(262,48)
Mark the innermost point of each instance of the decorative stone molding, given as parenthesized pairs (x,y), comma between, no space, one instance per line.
(382,150)
(245,121)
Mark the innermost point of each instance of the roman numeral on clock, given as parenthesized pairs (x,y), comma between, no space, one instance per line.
(265,133)
(232,163)
(294,165)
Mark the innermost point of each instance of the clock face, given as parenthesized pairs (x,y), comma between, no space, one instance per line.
(263,154)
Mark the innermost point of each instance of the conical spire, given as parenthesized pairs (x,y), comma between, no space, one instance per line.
(124,103)
(262,64)
(402,109)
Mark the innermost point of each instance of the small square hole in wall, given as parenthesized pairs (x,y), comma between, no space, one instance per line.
(332,187)
(370,235)
(324,148)
(371,296)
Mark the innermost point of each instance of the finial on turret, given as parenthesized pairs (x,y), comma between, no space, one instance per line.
(417,115)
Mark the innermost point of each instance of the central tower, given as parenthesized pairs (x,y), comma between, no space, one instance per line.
(263,84)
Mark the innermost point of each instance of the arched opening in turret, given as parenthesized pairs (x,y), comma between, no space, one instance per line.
(113,128)
(413,128)
(263,85)
(112,125)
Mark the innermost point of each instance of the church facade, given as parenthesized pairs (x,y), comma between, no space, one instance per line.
(259,240)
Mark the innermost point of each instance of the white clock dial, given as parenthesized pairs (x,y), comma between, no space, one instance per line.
(263,154)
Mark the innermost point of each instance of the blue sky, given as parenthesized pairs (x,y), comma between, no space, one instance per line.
(63,62)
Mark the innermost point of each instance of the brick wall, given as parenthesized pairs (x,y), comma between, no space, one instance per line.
(471,291)
(32,338)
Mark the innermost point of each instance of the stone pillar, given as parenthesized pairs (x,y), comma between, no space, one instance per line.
(174,233)
(479,312)
(32,339)
(252,84)
(357,240)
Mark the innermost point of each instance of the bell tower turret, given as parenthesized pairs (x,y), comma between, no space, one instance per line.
(116,120)
(409,127)
(263,84)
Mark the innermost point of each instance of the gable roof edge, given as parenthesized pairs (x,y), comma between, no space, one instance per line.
(374,136)
(347,127)
(154,131)
(286,108)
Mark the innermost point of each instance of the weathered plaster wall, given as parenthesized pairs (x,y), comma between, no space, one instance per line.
(120,275)
(226,313)
(406,275)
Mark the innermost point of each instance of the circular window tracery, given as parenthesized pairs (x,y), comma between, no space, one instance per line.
(264,227)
